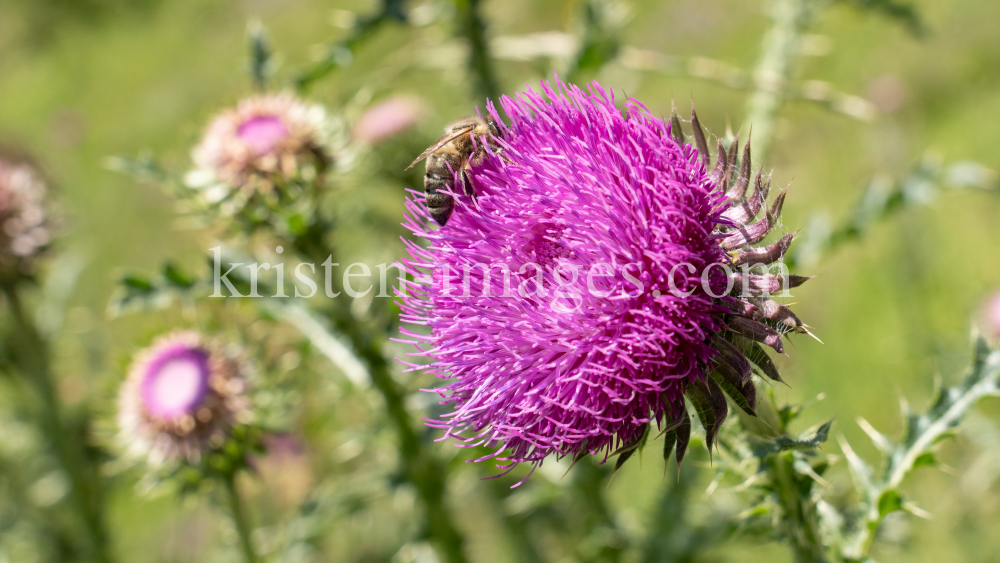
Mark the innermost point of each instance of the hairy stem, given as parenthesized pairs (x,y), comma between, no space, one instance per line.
(800,519)
(773,70)
(238,513)
(31,357)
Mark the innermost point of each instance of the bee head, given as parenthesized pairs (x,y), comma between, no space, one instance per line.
(493,126)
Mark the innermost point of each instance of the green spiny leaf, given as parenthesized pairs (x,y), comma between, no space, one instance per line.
(890,501)
(784,443)
(861,471)
(925,459)
(902,12)
(822,433)
(260,55)
(177,278)
(881,441)
(981,350)
(137,284)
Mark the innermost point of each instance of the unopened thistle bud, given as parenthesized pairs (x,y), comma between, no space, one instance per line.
(182,398)
(24,221)
(263,149)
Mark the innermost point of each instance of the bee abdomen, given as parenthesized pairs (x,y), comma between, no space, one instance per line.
(434,182)
(440,207)
(438,177)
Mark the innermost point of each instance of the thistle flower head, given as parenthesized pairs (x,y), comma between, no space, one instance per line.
(24,221)
(182,397)
(624,296)
(260,147)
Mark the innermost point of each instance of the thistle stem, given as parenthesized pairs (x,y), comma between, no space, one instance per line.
(31,357)
(771,75)
(473,28)
(984,382)
(801,521)
(420,467)
(238,513)
(515,527)
(589,485)
(341,53)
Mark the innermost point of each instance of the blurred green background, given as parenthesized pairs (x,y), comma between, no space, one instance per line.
(83,80)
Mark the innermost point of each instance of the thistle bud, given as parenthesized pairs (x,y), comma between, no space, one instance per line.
(260,150)
(182,398)
(24,221)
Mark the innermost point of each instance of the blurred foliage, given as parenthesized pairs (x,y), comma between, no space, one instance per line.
(903,12)
(41,19)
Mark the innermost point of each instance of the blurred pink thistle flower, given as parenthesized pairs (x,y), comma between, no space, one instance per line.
(991,315)
(387,119)
(25,228)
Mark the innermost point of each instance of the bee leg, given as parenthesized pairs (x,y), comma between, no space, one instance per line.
(467,184)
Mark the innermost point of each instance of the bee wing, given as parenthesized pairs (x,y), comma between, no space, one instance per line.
(444,141)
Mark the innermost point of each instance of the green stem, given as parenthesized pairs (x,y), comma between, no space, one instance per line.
(419,466)
(773,70)
(472,27)
(31,356)
(589,484)
(515,525)
(341,53)
(799,517)
(238,514)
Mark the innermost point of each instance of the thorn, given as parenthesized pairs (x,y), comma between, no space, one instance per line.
(812,335)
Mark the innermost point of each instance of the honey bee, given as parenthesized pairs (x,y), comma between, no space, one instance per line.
(455,152)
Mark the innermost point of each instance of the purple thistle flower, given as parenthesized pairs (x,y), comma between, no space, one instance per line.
(616,237)
(181,398)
